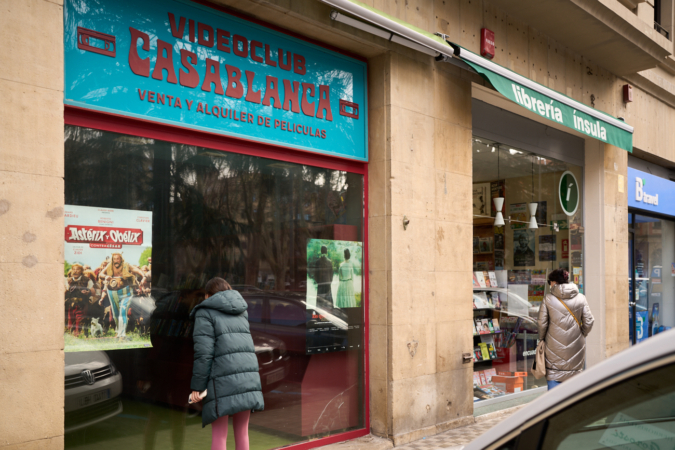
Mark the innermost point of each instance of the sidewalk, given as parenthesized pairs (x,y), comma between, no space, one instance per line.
(450,439)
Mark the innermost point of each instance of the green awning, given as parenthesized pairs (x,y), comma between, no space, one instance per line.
(536,97)
(550,104)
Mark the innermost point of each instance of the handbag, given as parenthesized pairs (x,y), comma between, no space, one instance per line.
(539,366)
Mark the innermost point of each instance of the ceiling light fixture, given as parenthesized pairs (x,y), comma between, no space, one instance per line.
(499,201)
(533,205)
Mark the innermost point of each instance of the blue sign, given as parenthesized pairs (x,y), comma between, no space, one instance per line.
(192,66)
(641,326)
(651,193)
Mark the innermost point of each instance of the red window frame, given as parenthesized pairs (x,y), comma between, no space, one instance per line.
(83,117)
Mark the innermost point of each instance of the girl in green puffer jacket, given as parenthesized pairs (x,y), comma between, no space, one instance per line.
(225,364)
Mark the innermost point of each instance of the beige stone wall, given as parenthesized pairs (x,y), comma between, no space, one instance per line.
(616,250)
(31,224)
(420,147)
(420,281)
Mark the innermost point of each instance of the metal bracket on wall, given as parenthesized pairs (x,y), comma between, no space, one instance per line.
(466,358)
(406,221)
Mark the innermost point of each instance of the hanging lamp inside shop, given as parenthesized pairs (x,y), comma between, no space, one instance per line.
(499,201)
(533,205)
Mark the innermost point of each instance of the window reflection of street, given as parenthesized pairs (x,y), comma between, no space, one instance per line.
(247,219)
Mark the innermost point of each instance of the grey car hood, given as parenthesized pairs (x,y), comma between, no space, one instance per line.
(76,362)
(654,348)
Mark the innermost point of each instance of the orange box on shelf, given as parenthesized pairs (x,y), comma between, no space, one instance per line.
(508,384)
(512,374)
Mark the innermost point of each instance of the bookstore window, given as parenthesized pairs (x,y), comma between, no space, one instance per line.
(173,216)
(527,221)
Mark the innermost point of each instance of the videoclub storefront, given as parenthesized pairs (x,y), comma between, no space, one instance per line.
(200,144)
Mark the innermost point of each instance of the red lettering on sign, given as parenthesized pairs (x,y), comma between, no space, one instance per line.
(177,32)
(268,57)
(272,92)
(191,77)
(164,62)
(254,57)
(299,64)
(223,40)
(324,103)
(136,64)
(251,95)
(289,61)
(243,51)
(307,107)
(291,95)
(206,42)
(234,78)
(212,76)
(82,234)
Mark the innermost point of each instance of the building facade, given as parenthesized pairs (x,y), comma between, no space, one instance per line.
(338,163)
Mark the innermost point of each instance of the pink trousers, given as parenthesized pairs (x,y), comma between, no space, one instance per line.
(219,431)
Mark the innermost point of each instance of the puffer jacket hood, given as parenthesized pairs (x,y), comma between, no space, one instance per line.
(227,302)
(565,338)
(565,291)
(225,360)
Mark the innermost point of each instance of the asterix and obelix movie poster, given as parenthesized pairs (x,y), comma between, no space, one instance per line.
(107,278)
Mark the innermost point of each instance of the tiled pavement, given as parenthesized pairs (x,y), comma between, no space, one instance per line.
(451,439)
(456,437)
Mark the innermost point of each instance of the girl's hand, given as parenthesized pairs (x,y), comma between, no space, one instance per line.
(195,397)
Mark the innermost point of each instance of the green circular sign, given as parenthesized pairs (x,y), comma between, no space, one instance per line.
(568,192)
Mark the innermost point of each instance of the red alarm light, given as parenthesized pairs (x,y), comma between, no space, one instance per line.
(627,93)
(487,43)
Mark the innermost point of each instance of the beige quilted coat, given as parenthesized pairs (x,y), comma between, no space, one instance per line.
(565,341)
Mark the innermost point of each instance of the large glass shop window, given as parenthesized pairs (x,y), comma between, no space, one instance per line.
(540,229)
(651,248)
(148,223)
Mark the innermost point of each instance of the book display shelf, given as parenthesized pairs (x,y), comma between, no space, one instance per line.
(505,336)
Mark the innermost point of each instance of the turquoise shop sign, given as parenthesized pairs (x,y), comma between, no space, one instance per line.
(189,65)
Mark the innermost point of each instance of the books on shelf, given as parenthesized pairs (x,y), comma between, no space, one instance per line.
(480,300)
(493,279)
(492,351)
(484,351)
(489,373)
(481,279)
(477,354)
(475,332)
(475,280)
(495,325)
(487,326)
(481,376)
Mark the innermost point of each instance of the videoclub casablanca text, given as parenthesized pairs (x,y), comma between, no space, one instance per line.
(307,98)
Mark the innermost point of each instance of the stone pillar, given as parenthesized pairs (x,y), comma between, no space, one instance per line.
(420,275)
(31,224)
(616,250)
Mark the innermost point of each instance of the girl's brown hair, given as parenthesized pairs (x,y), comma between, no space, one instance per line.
(216,285)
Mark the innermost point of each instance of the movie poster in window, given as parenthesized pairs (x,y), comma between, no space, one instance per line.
(481,199)
(519,215)
(107,278)
(499,238)
(334,299)
(523,248)
(547,247)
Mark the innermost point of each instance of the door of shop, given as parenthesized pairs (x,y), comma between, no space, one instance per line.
(651,275)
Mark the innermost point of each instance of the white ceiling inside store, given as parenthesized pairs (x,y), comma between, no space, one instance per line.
(513,162)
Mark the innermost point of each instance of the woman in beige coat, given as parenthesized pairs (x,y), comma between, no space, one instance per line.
(564,322)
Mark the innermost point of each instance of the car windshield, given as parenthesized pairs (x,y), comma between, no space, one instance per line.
(637,413)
